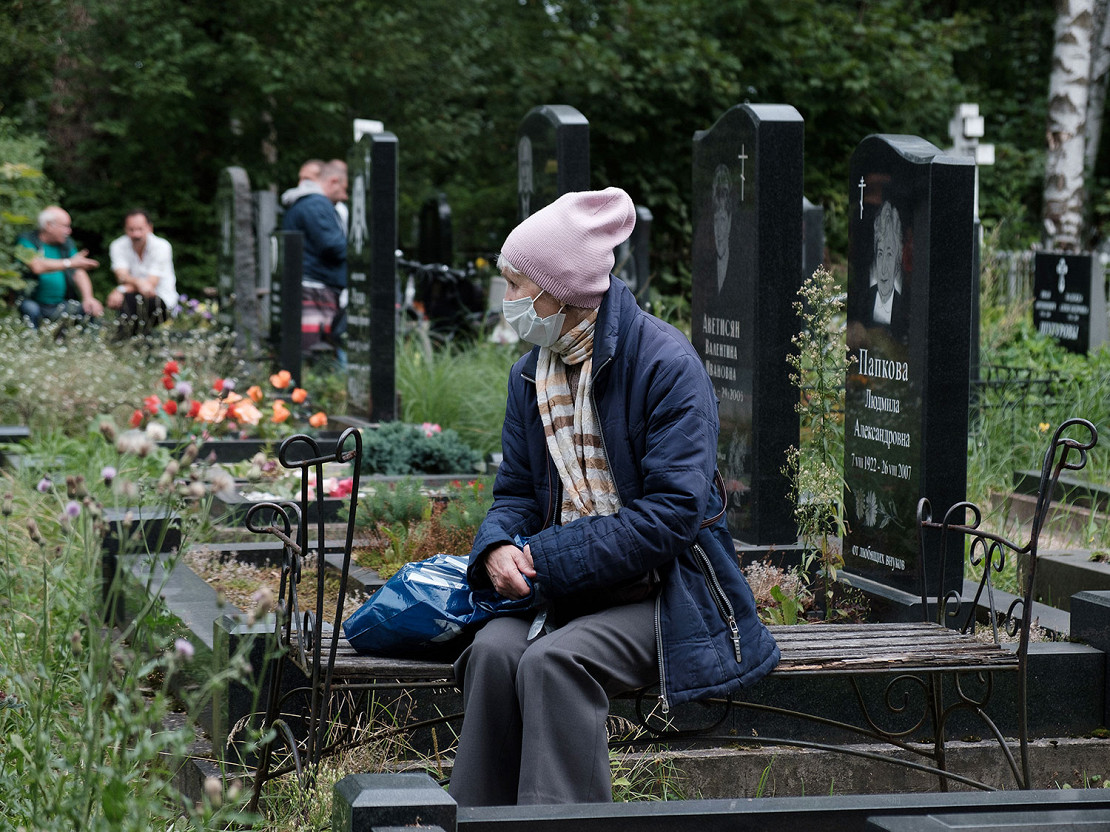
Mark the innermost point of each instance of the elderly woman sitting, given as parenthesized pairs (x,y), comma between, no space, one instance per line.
(606,510)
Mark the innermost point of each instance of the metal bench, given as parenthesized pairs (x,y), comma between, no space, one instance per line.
(927,671)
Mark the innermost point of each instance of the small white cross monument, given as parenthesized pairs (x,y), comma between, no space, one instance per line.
(965,130)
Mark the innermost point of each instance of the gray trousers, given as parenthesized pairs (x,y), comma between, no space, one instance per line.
(535,712)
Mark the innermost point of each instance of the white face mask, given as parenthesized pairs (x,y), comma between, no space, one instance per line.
(521,316)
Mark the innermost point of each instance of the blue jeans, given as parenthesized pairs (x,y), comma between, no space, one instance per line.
(36,312)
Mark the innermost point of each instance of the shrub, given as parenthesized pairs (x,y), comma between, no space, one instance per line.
(401,449)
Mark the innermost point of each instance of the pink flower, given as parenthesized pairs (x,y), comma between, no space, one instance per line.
(183,649)
(339,486)
(430,429)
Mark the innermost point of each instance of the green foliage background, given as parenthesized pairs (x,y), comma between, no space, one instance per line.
(142,102)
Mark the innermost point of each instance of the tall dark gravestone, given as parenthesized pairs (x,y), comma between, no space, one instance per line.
(911,254)
(372,278)
(553,156)
(236,279)
(265,223)
(747,251)
(632,258)
(435,243)
(1069,300)
(285,301)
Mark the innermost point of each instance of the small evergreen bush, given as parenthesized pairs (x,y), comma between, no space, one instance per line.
(401,449)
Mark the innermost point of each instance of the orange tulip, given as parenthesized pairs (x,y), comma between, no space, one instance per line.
(281,412)
(298,395)
(281,379)
(318,419)
(255,393)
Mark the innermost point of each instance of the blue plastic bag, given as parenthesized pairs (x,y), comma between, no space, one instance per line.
(422,608)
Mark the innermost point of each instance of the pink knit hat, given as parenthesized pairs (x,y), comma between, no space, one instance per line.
(567,247)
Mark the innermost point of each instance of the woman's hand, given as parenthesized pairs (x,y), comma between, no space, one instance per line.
(507,566)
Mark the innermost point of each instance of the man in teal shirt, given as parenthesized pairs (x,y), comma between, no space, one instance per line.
(61,284)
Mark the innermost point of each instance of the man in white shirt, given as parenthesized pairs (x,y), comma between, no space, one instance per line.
(143,265)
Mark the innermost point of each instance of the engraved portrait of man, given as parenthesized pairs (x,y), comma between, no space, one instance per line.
(722,220)
(524,175)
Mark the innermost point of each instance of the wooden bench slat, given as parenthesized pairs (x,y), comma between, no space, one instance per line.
(811,648)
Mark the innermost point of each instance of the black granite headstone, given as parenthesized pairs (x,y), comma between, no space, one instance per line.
(372,278)
(265,223)
(236,277)
(435,243)
(553,156)
(909,305)
(631,259)
(1070,299)
(747,251)
(285,301)
(813,237)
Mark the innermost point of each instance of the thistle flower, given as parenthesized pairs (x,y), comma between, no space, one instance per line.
(134,442)
(183,649)
(108,473)
(156,431)
(189,454)
(263,601)
(214,791)
(45,484)
(73,509)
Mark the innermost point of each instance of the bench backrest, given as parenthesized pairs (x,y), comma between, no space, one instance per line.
(988,550)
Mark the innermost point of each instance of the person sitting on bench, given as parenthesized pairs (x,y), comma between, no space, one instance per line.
(60,281)
(607,511)
(143,265)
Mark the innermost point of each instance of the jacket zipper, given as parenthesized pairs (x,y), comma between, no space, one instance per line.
(724,606)
(664,705)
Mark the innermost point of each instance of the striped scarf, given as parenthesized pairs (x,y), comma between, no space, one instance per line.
(564,380)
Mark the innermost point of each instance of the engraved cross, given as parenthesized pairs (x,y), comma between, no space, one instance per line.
(743,157)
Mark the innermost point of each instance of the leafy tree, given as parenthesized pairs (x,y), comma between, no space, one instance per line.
(144,101)
(24,191)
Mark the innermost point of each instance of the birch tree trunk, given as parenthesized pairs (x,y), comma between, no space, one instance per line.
(1068,94)
(1100,75)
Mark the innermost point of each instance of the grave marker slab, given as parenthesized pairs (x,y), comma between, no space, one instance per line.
(285,301)
(553,156)
(435,243)
(372,278)
(632,257)
(813,238)
(1069,299)
(265,223)
(236,279)
(747,252)
(911,250)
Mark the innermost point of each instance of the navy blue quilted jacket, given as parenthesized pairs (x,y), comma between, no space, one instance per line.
(658,416)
